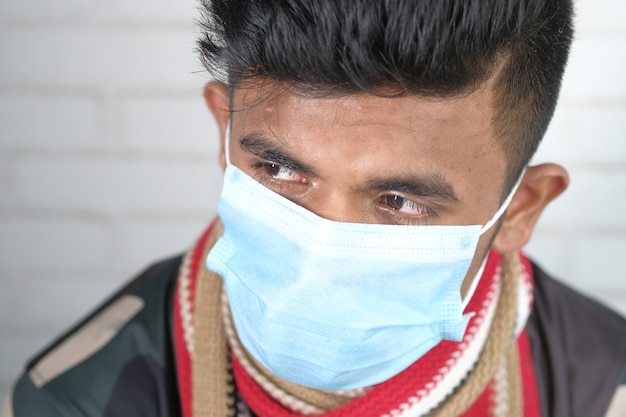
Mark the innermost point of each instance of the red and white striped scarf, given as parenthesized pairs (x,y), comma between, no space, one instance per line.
(421,389)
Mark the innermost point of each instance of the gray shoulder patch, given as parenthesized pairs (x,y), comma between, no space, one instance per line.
(86,341)
(7,407)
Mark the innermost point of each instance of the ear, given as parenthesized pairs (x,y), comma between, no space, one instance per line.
(541,184)
(217,99)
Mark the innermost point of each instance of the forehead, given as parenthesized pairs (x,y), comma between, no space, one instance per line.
(419,123)
(281,106)
(364,132)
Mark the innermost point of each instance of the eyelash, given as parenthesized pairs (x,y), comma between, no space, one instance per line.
(285,187)
(260,169)
(428,213)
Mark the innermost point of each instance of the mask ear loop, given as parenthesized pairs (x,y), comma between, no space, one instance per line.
(487,226)
(504,206)
(227,144)
(474,284)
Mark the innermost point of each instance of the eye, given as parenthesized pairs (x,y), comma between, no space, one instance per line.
(280,178)
(403,205)
(282,173)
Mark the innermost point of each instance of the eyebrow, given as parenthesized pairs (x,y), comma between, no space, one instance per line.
(432,185)
(264,148)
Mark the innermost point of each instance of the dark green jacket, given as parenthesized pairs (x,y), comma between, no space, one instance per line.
(119,361)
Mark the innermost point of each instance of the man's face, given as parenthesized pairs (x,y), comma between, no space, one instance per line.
(367,159)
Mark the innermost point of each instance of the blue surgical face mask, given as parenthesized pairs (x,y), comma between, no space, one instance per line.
(333,305)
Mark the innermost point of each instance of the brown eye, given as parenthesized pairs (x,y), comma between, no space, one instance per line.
(273,170)
(280,172)
(395,202)
(403,205)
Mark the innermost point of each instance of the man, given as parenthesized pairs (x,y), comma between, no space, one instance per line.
(366,260)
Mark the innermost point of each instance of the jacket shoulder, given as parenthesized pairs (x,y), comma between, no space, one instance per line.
(123,346)
(579,349)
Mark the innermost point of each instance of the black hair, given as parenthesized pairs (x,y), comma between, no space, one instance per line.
(398,47)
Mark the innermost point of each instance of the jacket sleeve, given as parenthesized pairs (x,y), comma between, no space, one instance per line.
(26,400)
(116,362)
(579,350)
(618,403)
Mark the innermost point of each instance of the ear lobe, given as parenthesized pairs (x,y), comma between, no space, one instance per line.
(541,184)
(216,97)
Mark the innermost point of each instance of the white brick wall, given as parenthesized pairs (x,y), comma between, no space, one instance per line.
(107,157)
(582,235)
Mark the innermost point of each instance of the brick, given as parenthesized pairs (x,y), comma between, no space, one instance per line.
(586,263)
(118,185)
(550,252)
(42,9)
(596,69)
(6,178)
(597,261)
(585,134)
(594,200)
(600,16)
(171,124)
(39,121)
(169,10)
(118,59)
(182,10)
(55,303)
(50,243)
(144,242)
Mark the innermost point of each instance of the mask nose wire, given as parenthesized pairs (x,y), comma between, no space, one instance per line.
(504,206)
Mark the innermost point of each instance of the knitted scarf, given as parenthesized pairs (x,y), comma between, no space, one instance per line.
(488,373)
